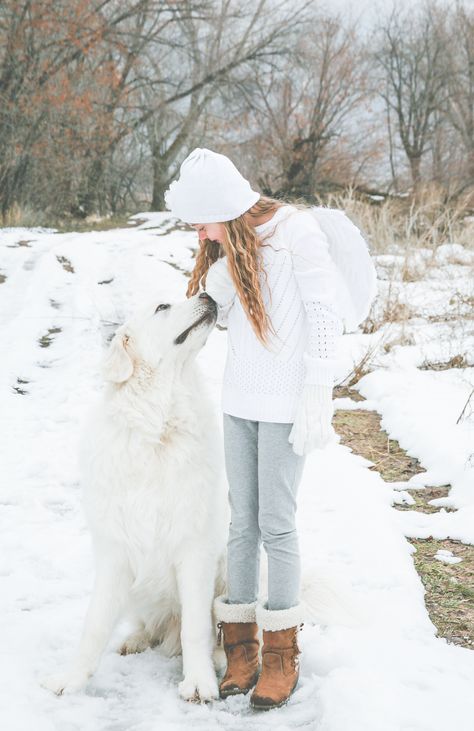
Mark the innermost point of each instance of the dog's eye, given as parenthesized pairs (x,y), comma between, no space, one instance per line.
(162,307)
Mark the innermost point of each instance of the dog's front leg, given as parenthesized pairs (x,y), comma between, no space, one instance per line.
(195,578)
(111,588)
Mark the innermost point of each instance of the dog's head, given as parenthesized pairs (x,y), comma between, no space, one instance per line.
(165,331)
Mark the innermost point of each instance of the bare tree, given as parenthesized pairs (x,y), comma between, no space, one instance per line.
(410,56)
(78,79)
(297,109)
(234,40)
(459,79)
(61,82)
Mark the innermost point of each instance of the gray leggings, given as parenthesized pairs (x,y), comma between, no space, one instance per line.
(263,474)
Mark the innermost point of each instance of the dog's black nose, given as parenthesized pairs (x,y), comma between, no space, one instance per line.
(205,296)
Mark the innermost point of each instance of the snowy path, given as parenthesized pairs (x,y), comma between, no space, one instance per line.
(58,305)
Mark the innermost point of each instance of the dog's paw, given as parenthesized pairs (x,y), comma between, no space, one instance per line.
(199,689)
(68,682)
(136,642)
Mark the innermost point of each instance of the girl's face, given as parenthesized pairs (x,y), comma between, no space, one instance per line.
(211,231)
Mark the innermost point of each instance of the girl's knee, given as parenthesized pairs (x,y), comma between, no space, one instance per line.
(272,536)
(276,527)
(240,529)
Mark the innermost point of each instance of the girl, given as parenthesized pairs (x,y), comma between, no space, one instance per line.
(267,266)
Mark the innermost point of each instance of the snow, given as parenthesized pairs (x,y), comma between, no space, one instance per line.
(389,672)
(420,409)
(446,556)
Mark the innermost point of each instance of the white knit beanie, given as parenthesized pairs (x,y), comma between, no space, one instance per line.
(210,189)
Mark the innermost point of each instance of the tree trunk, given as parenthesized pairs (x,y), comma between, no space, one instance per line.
(160,177)
(470,167)
(301,169)
(415,168)
(11,188)
(92,195)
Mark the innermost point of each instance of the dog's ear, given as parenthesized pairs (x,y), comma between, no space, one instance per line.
(117,365)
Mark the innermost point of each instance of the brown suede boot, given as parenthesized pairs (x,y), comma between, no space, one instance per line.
(236,622)
(280,662)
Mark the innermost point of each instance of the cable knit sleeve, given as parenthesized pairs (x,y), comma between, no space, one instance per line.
(316,277)
(221,288)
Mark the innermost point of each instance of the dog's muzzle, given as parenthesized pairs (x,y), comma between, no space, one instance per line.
(209,317)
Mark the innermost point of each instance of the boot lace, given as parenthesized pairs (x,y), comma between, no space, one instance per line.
(296,659)
(228,645)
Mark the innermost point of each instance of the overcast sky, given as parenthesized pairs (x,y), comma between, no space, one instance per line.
(368,11)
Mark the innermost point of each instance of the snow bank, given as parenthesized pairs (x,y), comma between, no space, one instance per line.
(62,298)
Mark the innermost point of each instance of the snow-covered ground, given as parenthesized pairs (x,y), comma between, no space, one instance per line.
(61,297)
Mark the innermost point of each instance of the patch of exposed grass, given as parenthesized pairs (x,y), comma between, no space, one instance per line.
(449,587)
(347,392)
(66,264)
(83,225)
(457,361)
(46,340)
(18,388)
(108,223)
(23,243)
(422,497)
(173,264)
(360,430)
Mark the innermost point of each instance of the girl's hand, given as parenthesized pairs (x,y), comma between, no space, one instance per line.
(221,288)
(219,283)
(312,427)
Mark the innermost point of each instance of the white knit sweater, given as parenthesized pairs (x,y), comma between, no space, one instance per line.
(264,383)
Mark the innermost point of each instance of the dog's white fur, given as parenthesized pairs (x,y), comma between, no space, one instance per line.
(155,499)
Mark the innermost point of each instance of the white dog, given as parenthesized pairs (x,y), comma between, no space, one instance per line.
(155,498)
(156,501)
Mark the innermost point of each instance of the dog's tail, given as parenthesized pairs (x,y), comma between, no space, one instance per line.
(220,585)
(328,598)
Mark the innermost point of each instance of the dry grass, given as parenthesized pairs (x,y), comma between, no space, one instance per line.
(29,218)
(457,361)
(426,219)
(449,588)
(366,361)
(410,231)
(360,430)
(393,311)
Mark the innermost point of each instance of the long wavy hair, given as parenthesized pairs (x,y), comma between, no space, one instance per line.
(242,246)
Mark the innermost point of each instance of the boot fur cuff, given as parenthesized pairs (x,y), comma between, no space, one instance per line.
(225,612)
(277,619)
